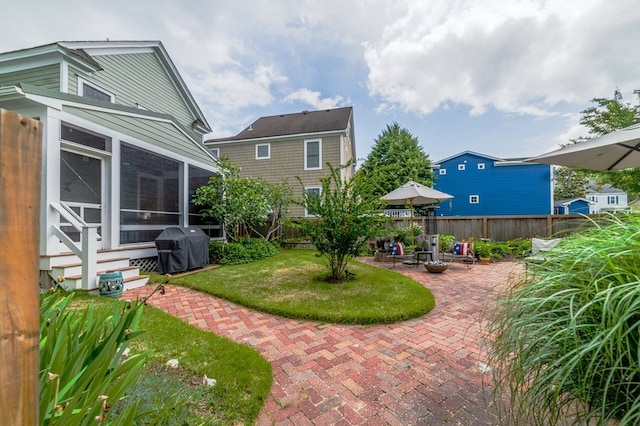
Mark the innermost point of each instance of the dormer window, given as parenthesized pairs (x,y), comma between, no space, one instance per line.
(90,90)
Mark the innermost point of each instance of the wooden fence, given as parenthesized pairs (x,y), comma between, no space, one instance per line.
(496,228)
(504,228)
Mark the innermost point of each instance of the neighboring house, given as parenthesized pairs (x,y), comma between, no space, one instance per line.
(572,206)
(488,186)
(122,152)
(288,146)
(606,198)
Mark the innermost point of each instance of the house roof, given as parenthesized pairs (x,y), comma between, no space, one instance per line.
(175,134)
(566,201)
(503,161)
(305,122)
(81,54)
(603,189)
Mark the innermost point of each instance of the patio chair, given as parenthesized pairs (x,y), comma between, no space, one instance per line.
(460,251)
(394,252)
(539,247)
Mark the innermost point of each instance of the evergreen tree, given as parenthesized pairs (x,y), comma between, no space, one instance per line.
(395,158)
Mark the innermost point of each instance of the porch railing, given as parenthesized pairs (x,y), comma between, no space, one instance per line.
(398,213)
(86,249)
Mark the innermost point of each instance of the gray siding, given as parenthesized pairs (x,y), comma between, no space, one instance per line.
(161,134)
(140,78)
(286,162)
(47,77)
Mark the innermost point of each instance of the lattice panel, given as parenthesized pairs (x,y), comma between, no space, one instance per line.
(147,264)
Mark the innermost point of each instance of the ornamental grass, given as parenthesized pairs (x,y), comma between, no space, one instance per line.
(567,335)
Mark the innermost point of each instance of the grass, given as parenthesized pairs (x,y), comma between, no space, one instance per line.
(292,285)
(567,335)
(243,376)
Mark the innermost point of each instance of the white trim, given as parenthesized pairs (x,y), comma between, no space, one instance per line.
(82,82)
(306,189)
(481,166)
(215,152)
(462,167)
(474,199)
(442,171)
(132,140)
(64,77)
(306,143)
(59,103)
(258,146)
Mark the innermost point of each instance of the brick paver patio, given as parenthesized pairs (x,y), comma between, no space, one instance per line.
(426,371)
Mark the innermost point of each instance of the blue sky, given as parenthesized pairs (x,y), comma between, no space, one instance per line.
(502,78)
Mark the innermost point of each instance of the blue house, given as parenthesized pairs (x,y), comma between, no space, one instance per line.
(572,206)
(488,186)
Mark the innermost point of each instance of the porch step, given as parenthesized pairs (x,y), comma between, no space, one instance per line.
(130,276)
(69,270)
(69,266)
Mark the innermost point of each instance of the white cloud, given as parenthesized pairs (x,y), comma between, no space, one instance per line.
(522,57)
(315,100)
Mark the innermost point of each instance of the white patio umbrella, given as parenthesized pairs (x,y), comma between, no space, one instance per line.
(614,151)
(413,193)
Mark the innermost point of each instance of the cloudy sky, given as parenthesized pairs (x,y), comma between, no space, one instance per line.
(506,78)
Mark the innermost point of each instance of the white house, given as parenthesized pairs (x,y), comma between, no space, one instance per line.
(605,199)
(122,153)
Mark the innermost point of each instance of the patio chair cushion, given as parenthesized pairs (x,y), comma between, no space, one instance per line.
(462,248)
(396,249)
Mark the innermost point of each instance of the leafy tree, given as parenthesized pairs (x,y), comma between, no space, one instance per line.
(570,183)
(344,221)
(243,202)
(395,158)
(607,116)
(610,114)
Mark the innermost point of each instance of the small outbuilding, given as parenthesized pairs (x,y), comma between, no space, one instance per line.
(572,206)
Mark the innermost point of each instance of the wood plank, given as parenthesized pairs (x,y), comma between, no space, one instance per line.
(20,170)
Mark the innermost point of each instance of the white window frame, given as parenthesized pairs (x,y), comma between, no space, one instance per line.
(82,82)
(613,200)
(258,146)
(306,189)
(306,144)
(443,171)
(461,167)
(215,152)
(474,199)
(480,166)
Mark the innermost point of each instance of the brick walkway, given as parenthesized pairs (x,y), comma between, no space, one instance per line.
(427,371)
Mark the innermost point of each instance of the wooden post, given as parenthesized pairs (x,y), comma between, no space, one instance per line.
(20,171)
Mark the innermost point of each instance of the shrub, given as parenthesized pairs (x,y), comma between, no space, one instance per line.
(482,249)
(243,250)
(520,247)
(567,334)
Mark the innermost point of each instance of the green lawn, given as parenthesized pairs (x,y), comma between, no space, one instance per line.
(292,284)
(243,376)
